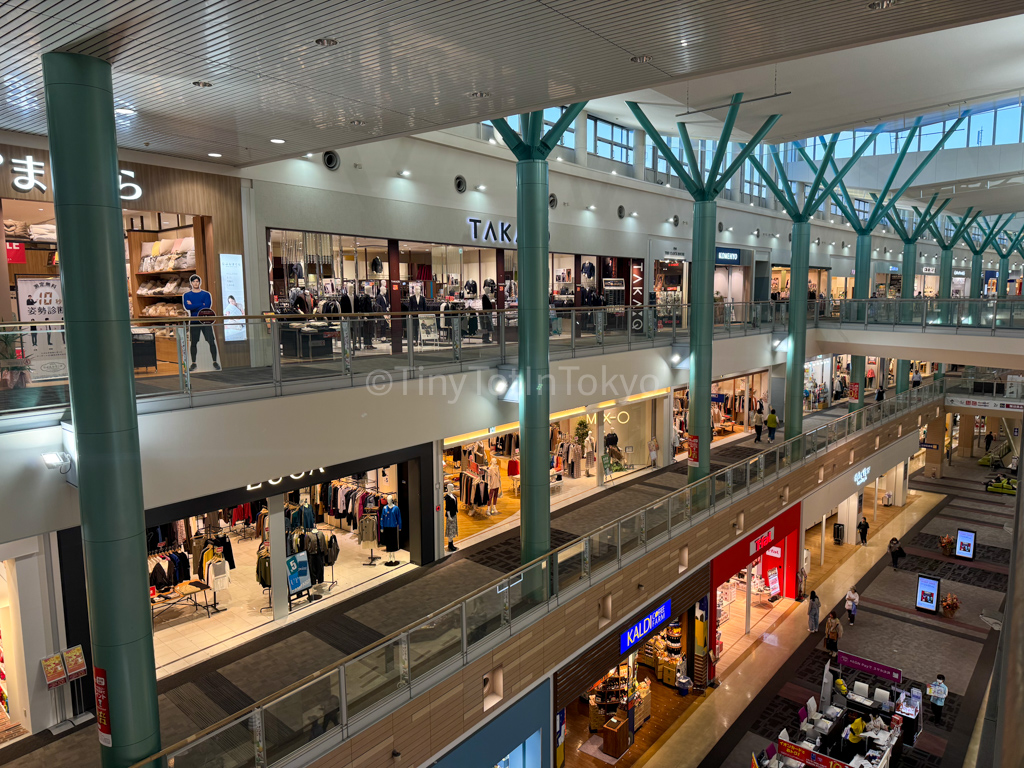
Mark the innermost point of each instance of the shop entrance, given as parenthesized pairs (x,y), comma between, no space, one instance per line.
(10,728)
(754,582)
(733,403)
(616,700)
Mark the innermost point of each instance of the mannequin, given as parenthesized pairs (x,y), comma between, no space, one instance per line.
(486,320)
(611,445)
(451,517)
(590,451)
(416,304)
(493,486)
(390,525)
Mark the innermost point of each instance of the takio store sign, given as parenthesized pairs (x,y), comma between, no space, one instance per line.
(491,232)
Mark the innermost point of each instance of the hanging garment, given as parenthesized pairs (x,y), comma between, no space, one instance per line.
(218,575)
(368,531)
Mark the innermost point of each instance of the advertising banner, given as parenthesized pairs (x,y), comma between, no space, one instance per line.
(74,663)
(232,288)
(965,543)
(927,598)
(53,671)
(41,302)
(871,667)
(807,757)
(298,573)
(99,679)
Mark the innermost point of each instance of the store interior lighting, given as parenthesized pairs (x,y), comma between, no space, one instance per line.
(59,460)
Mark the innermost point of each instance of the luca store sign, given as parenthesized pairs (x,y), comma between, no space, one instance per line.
(645,626)
(28,174)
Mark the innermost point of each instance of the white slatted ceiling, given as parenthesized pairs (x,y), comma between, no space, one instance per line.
(404,66)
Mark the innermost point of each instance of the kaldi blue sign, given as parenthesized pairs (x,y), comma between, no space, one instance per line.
(645,626)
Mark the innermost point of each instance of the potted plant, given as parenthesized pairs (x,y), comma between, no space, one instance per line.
(14,370)
(580,435)
(950,605)
(947,544)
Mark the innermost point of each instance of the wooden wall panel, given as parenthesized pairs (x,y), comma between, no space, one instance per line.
(454,707)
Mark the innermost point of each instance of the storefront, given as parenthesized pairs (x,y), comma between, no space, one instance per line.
(212,559)
(817,282)
(617,698)
(670,283)
(733,278)
(589,447)
(818,383)
(961,283)
(733,402)
(841,279)
(177,224)
(926,282)
(752,584)
(888,281)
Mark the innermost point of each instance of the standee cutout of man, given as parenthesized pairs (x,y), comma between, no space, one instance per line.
(199,302)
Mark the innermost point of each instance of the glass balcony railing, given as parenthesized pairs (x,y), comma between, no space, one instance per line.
(280,354)
(359,689)
(988,316)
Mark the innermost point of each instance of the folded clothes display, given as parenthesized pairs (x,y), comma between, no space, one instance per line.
(168,255)
(16,229)
(174,286)
(44,233)
(164,309)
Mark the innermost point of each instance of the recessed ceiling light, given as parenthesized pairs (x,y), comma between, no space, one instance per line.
(589,208)
(124,111)
(326,42)
(308,155)
(213,154)
(682,43)
(202,84)
(641,59)
(277,141)
(634,214)
(479,94)
(730,229)
(40,209)
(355,123)
(614,173)
(480,187)
(405,173)
(491,141)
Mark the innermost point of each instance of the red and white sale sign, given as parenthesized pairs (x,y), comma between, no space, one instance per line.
(694,449)
(99,677)
(855,391)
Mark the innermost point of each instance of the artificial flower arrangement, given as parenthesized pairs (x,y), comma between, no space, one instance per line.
(947,544)
(950,604)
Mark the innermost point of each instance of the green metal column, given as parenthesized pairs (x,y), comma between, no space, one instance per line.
(702,320)
(977,288)
(796,352)
(906,310)
(945,285)
(83,163)
(534,390)
(861,291)
(1004,276)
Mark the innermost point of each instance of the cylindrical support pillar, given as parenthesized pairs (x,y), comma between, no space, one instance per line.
(861,291)
(702,318)
(534,382)
(909,269)
(977,289)
(796,350)
(945,285)
(84,168)
(1004,276)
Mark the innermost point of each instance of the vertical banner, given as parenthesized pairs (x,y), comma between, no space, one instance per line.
(41,303)
(636,296)
(232,287)
(99,677)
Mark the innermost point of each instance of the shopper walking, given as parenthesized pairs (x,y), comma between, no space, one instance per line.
(915,380)
(938,692)
(833,632)
(758,424)
(852,601)
(895,552)
(862,529)
(988,442)
(813,612)
(772,422)
(880,394)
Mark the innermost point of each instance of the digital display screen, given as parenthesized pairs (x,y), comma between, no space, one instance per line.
(927,598)
(965,543)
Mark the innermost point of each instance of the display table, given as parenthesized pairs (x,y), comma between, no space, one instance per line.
(616,737)
(186,593)
(910,710)
(143,349)
(863,705)
(305,344)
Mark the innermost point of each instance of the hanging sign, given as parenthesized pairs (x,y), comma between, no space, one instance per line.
(645,626)
(74,663)
(54,672)
(99,679)
(41,302)
(892,674)
(15,253)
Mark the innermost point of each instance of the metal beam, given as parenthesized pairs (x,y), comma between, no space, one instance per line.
(737,162)
(691,158)
(873,219)
(665,150)
(511,138)
(723,142)
(554,134)
(780,168)
(791,210)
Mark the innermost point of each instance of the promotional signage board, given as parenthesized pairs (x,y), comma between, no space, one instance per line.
(15,253)
(99,679)
(861,664)
(762,542)
(965,540)
(645,626)
(41,302)
(298,573)
(927,598)
(773,582)
(74,662)
(728,256)
(53,671)
(973,402)
(855,391)
(232,288)
(807,757)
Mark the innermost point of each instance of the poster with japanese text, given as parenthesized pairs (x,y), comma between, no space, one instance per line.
(41,304)
(53,671)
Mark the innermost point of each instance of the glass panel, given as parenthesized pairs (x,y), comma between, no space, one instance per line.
(301,716)
(1008,125)
(657,519)
(980,134)
(604,548)
(570,565)
(630,533)
(680,509)
(435,642)
(528,589)
(373,677)
(485,613)
(230,747)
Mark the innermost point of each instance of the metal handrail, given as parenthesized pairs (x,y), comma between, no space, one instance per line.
(913,399)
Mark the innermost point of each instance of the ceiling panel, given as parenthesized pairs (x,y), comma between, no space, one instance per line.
(406,66)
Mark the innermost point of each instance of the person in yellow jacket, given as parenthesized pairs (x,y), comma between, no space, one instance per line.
(772,422)
(856,743)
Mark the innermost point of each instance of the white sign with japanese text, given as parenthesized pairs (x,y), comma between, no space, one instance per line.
(41,303)
(29,174)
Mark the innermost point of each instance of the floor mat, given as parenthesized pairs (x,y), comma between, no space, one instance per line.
(506,555)
(958,572)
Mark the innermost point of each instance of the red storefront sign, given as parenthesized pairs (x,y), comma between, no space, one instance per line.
(806,756)
(855,391)
(99,678)
(15,253)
